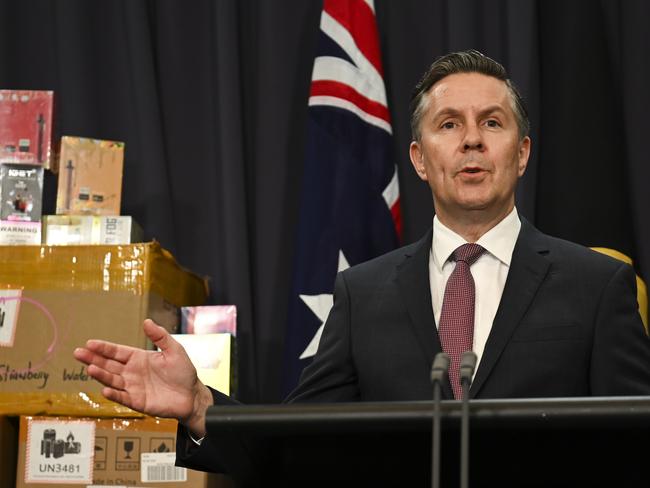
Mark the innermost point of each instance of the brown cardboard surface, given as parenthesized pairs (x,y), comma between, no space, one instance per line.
(67,296)
(8,446)
(112,464)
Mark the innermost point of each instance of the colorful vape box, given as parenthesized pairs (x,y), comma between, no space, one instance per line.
(26,127)
(63,230)
(90,177)
(209,319)
(21,192)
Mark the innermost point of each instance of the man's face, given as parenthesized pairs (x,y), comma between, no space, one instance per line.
(469,150)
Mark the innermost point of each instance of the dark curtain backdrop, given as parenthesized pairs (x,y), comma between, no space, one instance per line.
(210,98)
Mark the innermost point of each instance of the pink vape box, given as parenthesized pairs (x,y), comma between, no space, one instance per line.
(26,127)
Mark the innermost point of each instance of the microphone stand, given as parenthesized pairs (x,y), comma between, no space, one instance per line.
(438,372)
(467,365)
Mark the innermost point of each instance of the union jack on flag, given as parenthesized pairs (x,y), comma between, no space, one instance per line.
(350,195)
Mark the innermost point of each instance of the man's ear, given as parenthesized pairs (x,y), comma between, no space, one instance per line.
(524,154)
(417,160)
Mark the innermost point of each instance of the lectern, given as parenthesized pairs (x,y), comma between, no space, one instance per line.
(538,443)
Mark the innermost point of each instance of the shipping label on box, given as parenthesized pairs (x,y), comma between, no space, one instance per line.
(21,192)
(26,127)
(90,229)
(90,177)
(59,451)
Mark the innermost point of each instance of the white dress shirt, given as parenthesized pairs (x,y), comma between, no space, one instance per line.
(489,271)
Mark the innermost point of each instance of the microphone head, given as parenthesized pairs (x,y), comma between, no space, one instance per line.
(439,367)
(467,365)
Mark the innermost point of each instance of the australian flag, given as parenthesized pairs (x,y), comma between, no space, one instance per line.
(349,210)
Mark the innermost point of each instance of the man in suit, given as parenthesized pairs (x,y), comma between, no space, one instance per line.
(547,318)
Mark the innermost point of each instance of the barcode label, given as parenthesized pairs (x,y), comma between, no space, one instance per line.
(159,466)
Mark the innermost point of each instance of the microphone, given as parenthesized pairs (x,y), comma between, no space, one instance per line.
(438,373)
(467,365)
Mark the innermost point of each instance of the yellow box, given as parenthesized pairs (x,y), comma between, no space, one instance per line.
(54,298)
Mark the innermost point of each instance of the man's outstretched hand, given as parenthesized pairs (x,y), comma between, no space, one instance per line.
(163,384)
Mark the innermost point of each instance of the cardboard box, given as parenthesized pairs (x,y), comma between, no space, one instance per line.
(88,229)
(55,298)
(8,447)
(90,177)
(26,127)
(133,452)
(19,233)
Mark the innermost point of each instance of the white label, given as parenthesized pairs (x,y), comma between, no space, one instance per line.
(159,467)
(9,306)
(60,451)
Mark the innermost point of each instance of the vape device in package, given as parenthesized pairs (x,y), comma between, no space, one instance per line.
(26,127)
(90,177)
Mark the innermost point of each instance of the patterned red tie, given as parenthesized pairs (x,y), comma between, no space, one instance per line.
(456,328)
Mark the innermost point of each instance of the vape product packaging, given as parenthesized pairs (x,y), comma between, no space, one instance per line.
(209,319)
(214,357)
(90,177)
(102,452)
(88,229)
(26,127)
(21,192)
(54,298)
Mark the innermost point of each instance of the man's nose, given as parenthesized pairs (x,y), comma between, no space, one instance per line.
(473,139)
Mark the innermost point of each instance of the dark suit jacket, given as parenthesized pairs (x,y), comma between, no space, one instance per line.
(567,325)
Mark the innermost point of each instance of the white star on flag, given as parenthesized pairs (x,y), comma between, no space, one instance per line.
(321,305)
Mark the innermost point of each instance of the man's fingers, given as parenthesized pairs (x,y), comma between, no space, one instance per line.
(118,396)
(106,378)
(109,350)
(158,335)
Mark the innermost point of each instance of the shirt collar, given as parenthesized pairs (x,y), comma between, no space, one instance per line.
(499,241)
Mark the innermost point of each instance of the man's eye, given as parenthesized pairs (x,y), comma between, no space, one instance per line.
(448,125)
(493,123)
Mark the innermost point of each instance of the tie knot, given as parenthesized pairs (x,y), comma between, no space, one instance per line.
(468,253)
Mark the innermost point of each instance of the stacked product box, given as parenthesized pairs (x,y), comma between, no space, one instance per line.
(90,177)
(55,298)
(25,151)
(69,452)
(209,336)
(90,229)
(52,300)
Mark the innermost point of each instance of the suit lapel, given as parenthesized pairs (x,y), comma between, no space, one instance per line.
(413,283)
(528,269)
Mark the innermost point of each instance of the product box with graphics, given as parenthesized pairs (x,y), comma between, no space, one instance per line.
(214,358)
(55,298)
(65,451)
(90,177)
(65,230)
(26,127)
(21,192)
